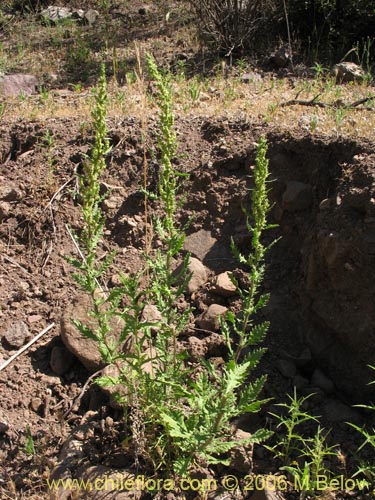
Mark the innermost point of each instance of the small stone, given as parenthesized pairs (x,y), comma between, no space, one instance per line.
(34,318)
(111,204)
(203,245)
(61,360)
(5,209)
(209,320)
(35,404)
(198,275)
(297,196)
(17,335)
(224,286)
(56,14)
(319,379)
(286,368)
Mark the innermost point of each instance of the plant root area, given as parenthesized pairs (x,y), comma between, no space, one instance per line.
(56,423)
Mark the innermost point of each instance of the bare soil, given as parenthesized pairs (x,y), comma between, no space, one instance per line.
(37,285)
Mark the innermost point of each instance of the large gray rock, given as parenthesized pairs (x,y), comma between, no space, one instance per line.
(85,349)
(208,249)
(200,243)
(14,85)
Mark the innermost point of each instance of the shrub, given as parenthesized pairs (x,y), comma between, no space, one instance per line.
(232,26)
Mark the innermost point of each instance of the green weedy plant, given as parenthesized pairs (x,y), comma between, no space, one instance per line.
(289,440)
(303,457)
(366,469)
(177,416)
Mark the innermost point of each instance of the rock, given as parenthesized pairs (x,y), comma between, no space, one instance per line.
(91,15)
(54,14)
(35,404)
(18,83)
(5,209)
(319,379)
(224,286)
(61,360)
(207,249)
(335,411)
(297,196)
(111,203)
(209,320)
(8,192)
(198,275)
(241,456)
(200,243)
(85,349)
(286,368)
(348,72)
(17,335)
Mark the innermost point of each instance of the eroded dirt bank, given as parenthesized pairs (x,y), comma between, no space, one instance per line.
(320,274)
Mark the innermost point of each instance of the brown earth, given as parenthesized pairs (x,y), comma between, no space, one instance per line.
(320,274)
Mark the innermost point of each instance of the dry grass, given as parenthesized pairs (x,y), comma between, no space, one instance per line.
(228,97)
(67,54)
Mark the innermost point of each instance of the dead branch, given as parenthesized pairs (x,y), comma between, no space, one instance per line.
(339,104)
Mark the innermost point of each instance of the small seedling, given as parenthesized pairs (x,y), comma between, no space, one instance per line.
(29,442)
